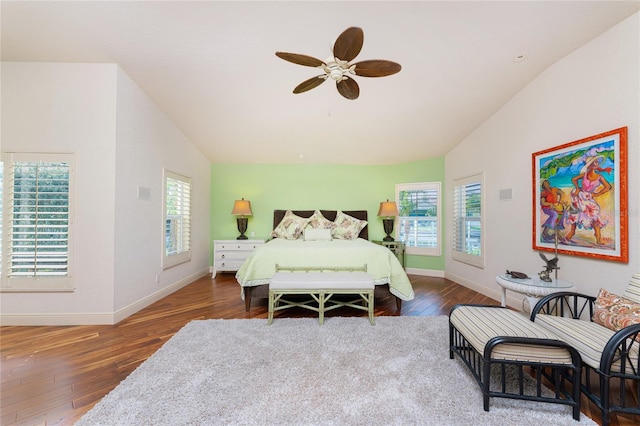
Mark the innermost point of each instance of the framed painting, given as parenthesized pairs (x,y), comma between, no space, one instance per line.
(580,197)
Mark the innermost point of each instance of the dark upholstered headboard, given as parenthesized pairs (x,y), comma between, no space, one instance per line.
(329,214)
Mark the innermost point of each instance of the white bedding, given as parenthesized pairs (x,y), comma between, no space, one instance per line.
(381,263)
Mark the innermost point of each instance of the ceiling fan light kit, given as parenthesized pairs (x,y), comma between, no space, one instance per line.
(339,68)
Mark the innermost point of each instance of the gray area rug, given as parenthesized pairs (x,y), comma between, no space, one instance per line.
(295,372)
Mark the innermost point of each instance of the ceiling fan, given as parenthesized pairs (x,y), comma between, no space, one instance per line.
(339,68)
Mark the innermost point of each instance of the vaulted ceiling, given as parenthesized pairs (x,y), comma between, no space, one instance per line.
(211,67)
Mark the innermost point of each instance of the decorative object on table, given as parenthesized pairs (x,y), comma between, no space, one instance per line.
(388,210)
(339,67)
(551,264)
(580,189)
(518,275)
(242,209)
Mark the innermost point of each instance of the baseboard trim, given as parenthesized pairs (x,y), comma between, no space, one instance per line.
(127,311)
(82,318)
(493,292)
(100,318)
(425,272)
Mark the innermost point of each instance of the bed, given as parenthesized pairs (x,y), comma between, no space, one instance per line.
(339,251)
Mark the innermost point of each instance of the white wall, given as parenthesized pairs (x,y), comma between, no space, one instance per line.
(121,140)
(147,142)
(593,90)
(68,108)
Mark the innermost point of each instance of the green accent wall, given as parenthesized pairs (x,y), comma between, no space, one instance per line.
(310,187)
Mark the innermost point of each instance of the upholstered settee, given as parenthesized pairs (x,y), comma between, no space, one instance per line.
(605,330)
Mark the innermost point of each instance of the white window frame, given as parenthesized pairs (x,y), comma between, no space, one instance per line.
(183,250)
(37,282)
(421,186)
(459,215)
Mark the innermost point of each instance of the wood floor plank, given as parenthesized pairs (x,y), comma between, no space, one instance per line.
(53,375)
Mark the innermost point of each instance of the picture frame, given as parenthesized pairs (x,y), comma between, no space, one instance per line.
(580,197)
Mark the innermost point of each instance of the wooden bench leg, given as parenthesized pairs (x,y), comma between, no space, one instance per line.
(370,308)
(270,318)
(322,298)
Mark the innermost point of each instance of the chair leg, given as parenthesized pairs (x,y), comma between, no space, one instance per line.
(604,398)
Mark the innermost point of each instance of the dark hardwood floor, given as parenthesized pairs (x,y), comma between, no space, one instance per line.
(53,375)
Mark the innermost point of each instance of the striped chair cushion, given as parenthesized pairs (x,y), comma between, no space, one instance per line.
(588,338)
(480,324)
(633,289)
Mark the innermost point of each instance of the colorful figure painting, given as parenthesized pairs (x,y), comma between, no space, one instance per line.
(580,197)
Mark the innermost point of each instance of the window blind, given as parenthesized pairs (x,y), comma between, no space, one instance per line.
(177,220)
(39,219)
(419,221)
(467,221)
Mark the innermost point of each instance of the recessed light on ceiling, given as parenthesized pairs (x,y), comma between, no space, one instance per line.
(520,57)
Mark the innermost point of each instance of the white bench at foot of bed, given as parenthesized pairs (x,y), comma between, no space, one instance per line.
(321,286)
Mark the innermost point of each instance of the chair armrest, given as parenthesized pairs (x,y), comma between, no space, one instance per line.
(622,348)
(456,306)
(565,304)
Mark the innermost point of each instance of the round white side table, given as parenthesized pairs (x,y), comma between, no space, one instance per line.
(533,288)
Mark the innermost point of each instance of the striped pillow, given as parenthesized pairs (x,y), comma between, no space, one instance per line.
(633,289)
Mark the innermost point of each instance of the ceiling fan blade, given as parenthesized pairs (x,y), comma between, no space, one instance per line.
(348,44)
(348,88)
(376,68)
(296,58)
(310,84)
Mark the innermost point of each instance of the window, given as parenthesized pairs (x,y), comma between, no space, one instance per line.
(37,221)
(418,225)
(177,220)
(467,220)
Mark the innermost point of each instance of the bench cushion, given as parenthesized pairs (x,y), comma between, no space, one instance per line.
(321,280)
(480,324)
(588,338)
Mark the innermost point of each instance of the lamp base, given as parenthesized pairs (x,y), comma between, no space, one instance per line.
(242,228)
(388,229)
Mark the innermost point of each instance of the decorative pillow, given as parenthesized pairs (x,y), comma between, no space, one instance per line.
(317,220)
(290,227)
(347,227)
(633,289)
(317,234)
(615,312)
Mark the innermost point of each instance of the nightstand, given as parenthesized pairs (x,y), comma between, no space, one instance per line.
(228,255)
(397,247)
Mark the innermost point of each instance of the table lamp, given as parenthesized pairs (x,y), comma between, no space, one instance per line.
(388,210)
(242,208)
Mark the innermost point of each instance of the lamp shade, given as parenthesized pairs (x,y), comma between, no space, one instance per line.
(242,208)
(388,209)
